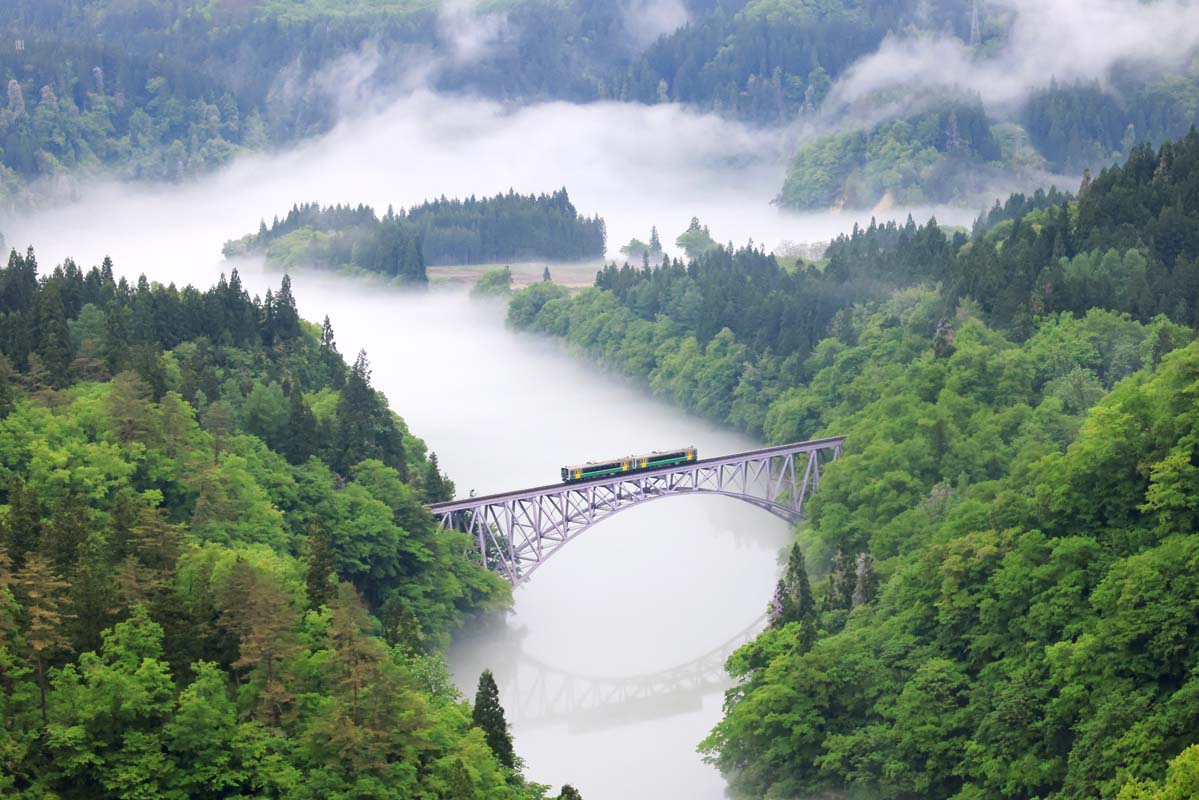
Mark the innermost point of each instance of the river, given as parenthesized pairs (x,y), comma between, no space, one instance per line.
(605,662)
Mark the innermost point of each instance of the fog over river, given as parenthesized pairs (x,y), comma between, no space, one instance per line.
(654,589)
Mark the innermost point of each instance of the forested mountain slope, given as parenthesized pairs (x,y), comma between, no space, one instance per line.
(217,576)
(1002,600)
(164,90)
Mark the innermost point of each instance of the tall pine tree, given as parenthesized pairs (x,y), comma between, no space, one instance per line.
(488,715)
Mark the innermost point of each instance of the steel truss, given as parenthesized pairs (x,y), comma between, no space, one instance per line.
(516,532)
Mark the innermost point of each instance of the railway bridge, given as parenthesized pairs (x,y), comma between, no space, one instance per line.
(516,532)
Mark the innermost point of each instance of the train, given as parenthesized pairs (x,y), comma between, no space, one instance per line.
(619,466)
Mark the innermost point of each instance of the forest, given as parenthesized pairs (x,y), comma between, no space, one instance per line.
(217,574)
(165,90)
(994,594)
(337,238)
(507,227)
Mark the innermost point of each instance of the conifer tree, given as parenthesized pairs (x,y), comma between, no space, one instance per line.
(841,580)
(302,436)
(797,602)
(436,489)
(357,657)
(488,715)
(63,534)
(8,607)
(401,628)
(569,793)
(286,322)
(866,584)
(460,785)
(23,525)
(8,378)
(320,576)
(355,416)
(41,594)
(92,593)
(330,358)
(52,336)
(259,612)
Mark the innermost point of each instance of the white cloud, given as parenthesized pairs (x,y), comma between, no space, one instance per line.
(467,34)
(1065,39)
(646,20)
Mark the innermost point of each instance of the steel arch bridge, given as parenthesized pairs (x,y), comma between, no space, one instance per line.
(516,532)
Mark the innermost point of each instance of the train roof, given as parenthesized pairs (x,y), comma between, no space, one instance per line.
(634,457)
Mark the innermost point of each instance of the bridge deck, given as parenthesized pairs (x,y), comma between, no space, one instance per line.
(474,502)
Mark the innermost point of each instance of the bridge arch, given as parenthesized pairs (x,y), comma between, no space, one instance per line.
(516,532)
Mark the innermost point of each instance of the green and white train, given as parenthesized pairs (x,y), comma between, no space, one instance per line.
(619,466)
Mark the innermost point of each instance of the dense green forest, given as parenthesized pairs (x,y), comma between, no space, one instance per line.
(337,237)
(163,90)
(1002,598)
(217,576)
(507,227)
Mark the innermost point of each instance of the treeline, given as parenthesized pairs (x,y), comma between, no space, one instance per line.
(338,237)
(769,60)
(217,576)
(1080,125)
(1128,243)
(507,227)
(993,593)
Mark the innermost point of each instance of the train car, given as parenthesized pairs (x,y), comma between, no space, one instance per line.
(617,466)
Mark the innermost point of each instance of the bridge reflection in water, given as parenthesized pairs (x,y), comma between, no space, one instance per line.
(536,694)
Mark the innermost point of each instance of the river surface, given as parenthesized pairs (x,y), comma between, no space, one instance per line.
(609,661)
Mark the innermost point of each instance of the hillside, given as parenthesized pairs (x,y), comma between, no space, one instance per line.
(217,576)
(1002,600)
(162,91)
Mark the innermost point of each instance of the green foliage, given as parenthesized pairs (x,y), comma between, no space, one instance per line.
(338,237)
(397,246)
(507,227)
(934,157)
(1001,598)
(494,283)
(181,606)
(489,717)
(1083,125)
(1182,781)
(696,240)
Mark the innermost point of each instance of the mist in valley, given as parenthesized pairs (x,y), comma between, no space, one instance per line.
(639,596)
(643,594)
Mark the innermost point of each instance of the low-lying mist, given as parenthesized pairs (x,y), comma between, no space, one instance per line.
(1062,40)
(634,165)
